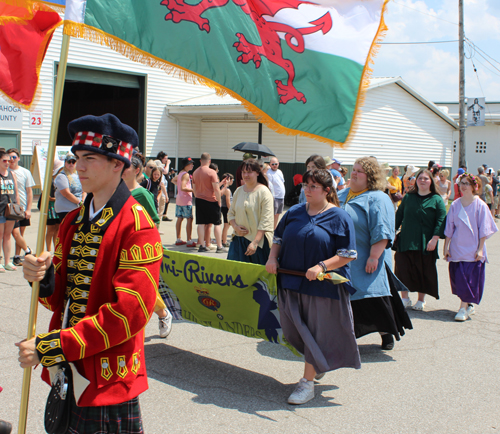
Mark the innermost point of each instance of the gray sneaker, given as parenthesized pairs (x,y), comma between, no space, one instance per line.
(202,249)
(303,393)
(318,377)
(165,325)
(221,250)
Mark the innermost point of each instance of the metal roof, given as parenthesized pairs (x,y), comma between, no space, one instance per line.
(212,104)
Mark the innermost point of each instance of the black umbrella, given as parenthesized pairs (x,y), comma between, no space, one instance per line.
(254,148)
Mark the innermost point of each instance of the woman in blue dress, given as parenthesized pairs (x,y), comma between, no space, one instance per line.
(315,315)
(376,305)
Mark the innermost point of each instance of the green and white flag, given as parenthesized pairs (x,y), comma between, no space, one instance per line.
(300,66)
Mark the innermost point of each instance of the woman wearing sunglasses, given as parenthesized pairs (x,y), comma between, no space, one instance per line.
(8,193)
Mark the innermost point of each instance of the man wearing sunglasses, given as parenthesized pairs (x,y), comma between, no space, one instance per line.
(276,178)
(25,183)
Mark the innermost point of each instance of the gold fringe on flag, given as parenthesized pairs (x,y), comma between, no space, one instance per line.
(367,74)
(135,54)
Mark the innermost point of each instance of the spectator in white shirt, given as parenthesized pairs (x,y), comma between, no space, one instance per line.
(276,178)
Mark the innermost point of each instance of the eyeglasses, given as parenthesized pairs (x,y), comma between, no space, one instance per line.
(274,164)
(14,157)
(5,161)
(150,167)
(311,187)
(71,162)
(465,184)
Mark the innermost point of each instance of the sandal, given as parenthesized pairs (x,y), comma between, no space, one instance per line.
(419,305)
(10,267)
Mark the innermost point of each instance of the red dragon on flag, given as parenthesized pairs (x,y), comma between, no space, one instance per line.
(268,30)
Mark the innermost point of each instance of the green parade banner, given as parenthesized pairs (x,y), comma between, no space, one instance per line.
(232,296)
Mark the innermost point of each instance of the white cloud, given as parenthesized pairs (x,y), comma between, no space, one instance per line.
(432,69)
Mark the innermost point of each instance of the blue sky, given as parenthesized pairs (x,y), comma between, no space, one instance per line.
(432,69)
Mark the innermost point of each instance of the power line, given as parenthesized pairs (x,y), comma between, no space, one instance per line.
(474,51)
(488,69)
(482,51)
(417,43)
(425,13)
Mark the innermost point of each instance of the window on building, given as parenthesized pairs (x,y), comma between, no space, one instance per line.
(455,146)
(480,147)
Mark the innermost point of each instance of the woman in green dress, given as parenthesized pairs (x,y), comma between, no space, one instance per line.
(421,216)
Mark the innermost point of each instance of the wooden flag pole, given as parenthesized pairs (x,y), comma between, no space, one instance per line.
(40,243)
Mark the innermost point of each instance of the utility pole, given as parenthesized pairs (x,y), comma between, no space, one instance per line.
(462,124)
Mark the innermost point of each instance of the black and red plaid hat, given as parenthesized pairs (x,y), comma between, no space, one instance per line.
(105,135)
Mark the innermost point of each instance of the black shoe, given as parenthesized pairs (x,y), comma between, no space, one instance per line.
(5,427)
(387,342)
(165,219)
(17,261)
(203,249)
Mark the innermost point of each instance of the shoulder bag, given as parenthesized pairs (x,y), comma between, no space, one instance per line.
(58,407)
(13,211)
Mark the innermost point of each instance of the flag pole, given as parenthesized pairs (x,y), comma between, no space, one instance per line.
(40,243)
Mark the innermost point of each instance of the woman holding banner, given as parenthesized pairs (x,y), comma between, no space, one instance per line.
(252,217)
(316,316)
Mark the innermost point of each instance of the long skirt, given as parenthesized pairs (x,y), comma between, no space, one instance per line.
(121,419)
(382,314)
(239,246)
(417,272)
(320,328)
(467,280)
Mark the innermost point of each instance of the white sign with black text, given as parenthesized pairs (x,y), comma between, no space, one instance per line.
(11,117)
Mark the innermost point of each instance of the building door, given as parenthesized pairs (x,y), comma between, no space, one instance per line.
(96,92)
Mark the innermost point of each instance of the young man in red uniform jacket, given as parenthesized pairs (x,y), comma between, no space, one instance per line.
(101,285)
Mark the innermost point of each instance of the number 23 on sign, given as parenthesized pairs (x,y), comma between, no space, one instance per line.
(36,119)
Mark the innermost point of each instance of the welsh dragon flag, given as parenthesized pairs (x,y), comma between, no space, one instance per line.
(300,66)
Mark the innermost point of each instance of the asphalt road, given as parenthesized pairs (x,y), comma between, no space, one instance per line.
(442,377)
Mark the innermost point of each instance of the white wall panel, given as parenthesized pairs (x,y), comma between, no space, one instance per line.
(281,144)
(218,138)
(307,147)
(238,132)
(397,128)
(189,137)
(214,139)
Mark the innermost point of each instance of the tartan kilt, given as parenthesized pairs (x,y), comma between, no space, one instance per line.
(122,418)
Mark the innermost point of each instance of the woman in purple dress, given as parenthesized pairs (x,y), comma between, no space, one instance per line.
(469,223)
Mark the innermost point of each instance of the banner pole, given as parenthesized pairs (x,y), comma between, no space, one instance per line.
(40,243)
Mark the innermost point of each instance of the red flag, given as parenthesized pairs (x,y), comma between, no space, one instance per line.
(26,29)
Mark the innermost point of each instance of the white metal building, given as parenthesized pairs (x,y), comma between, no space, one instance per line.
(398,125)
(482,144)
